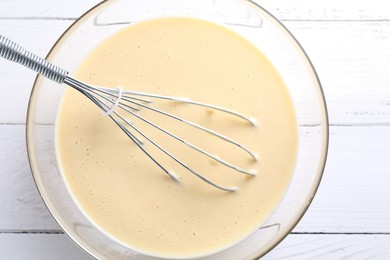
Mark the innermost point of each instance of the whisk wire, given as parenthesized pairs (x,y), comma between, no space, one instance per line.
(112,100)
(252,121)
(104,106)
(171,174)
(120,105)
(214,133)
(188,143)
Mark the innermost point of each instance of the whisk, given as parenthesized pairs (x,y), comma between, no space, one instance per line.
(115,102)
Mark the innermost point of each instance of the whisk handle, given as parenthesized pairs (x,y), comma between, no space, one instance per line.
(14,52)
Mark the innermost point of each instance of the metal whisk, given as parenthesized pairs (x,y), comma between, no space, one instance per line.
(115,102)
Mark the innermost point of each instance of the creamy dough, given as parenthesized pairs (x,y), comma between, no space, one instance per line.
(125,193)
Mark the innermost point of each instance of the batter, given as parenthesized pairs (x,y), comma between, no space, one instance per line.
(125,193)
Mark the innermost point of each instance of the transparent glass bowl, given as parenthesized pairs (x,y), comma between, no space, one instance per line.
(244,17)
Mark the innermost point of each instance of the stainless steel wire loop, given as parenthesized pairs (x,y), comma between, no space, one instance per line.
(116,103)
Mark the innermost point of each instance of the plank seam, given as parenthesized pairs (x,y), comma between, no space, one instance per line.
(340,233)
(38,232)
(378,124)
(31,232)
(39,18)
(281,19)
(336,20)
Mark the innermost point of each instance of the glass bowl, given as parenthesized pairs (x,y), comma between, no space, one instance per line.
(242,16)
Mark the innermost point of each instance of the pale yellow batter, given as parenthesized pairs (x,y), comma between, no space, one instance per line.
(125,193)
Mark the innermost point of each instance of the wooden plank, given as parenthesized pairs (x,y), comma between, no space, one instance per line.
(283,9)
(332,10)
(295,246)
(353,63)
(45,9)
(308,246)
(15,81)
(21,205)
(354,192)
(40,246)
(352,60)
(357,167)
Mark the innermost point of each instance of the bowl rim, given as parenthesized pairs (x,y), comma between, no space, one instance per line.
(324,115)
(325,129)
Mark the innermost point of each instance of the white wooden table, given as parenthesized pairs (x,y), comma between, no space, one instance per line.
(349,44)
